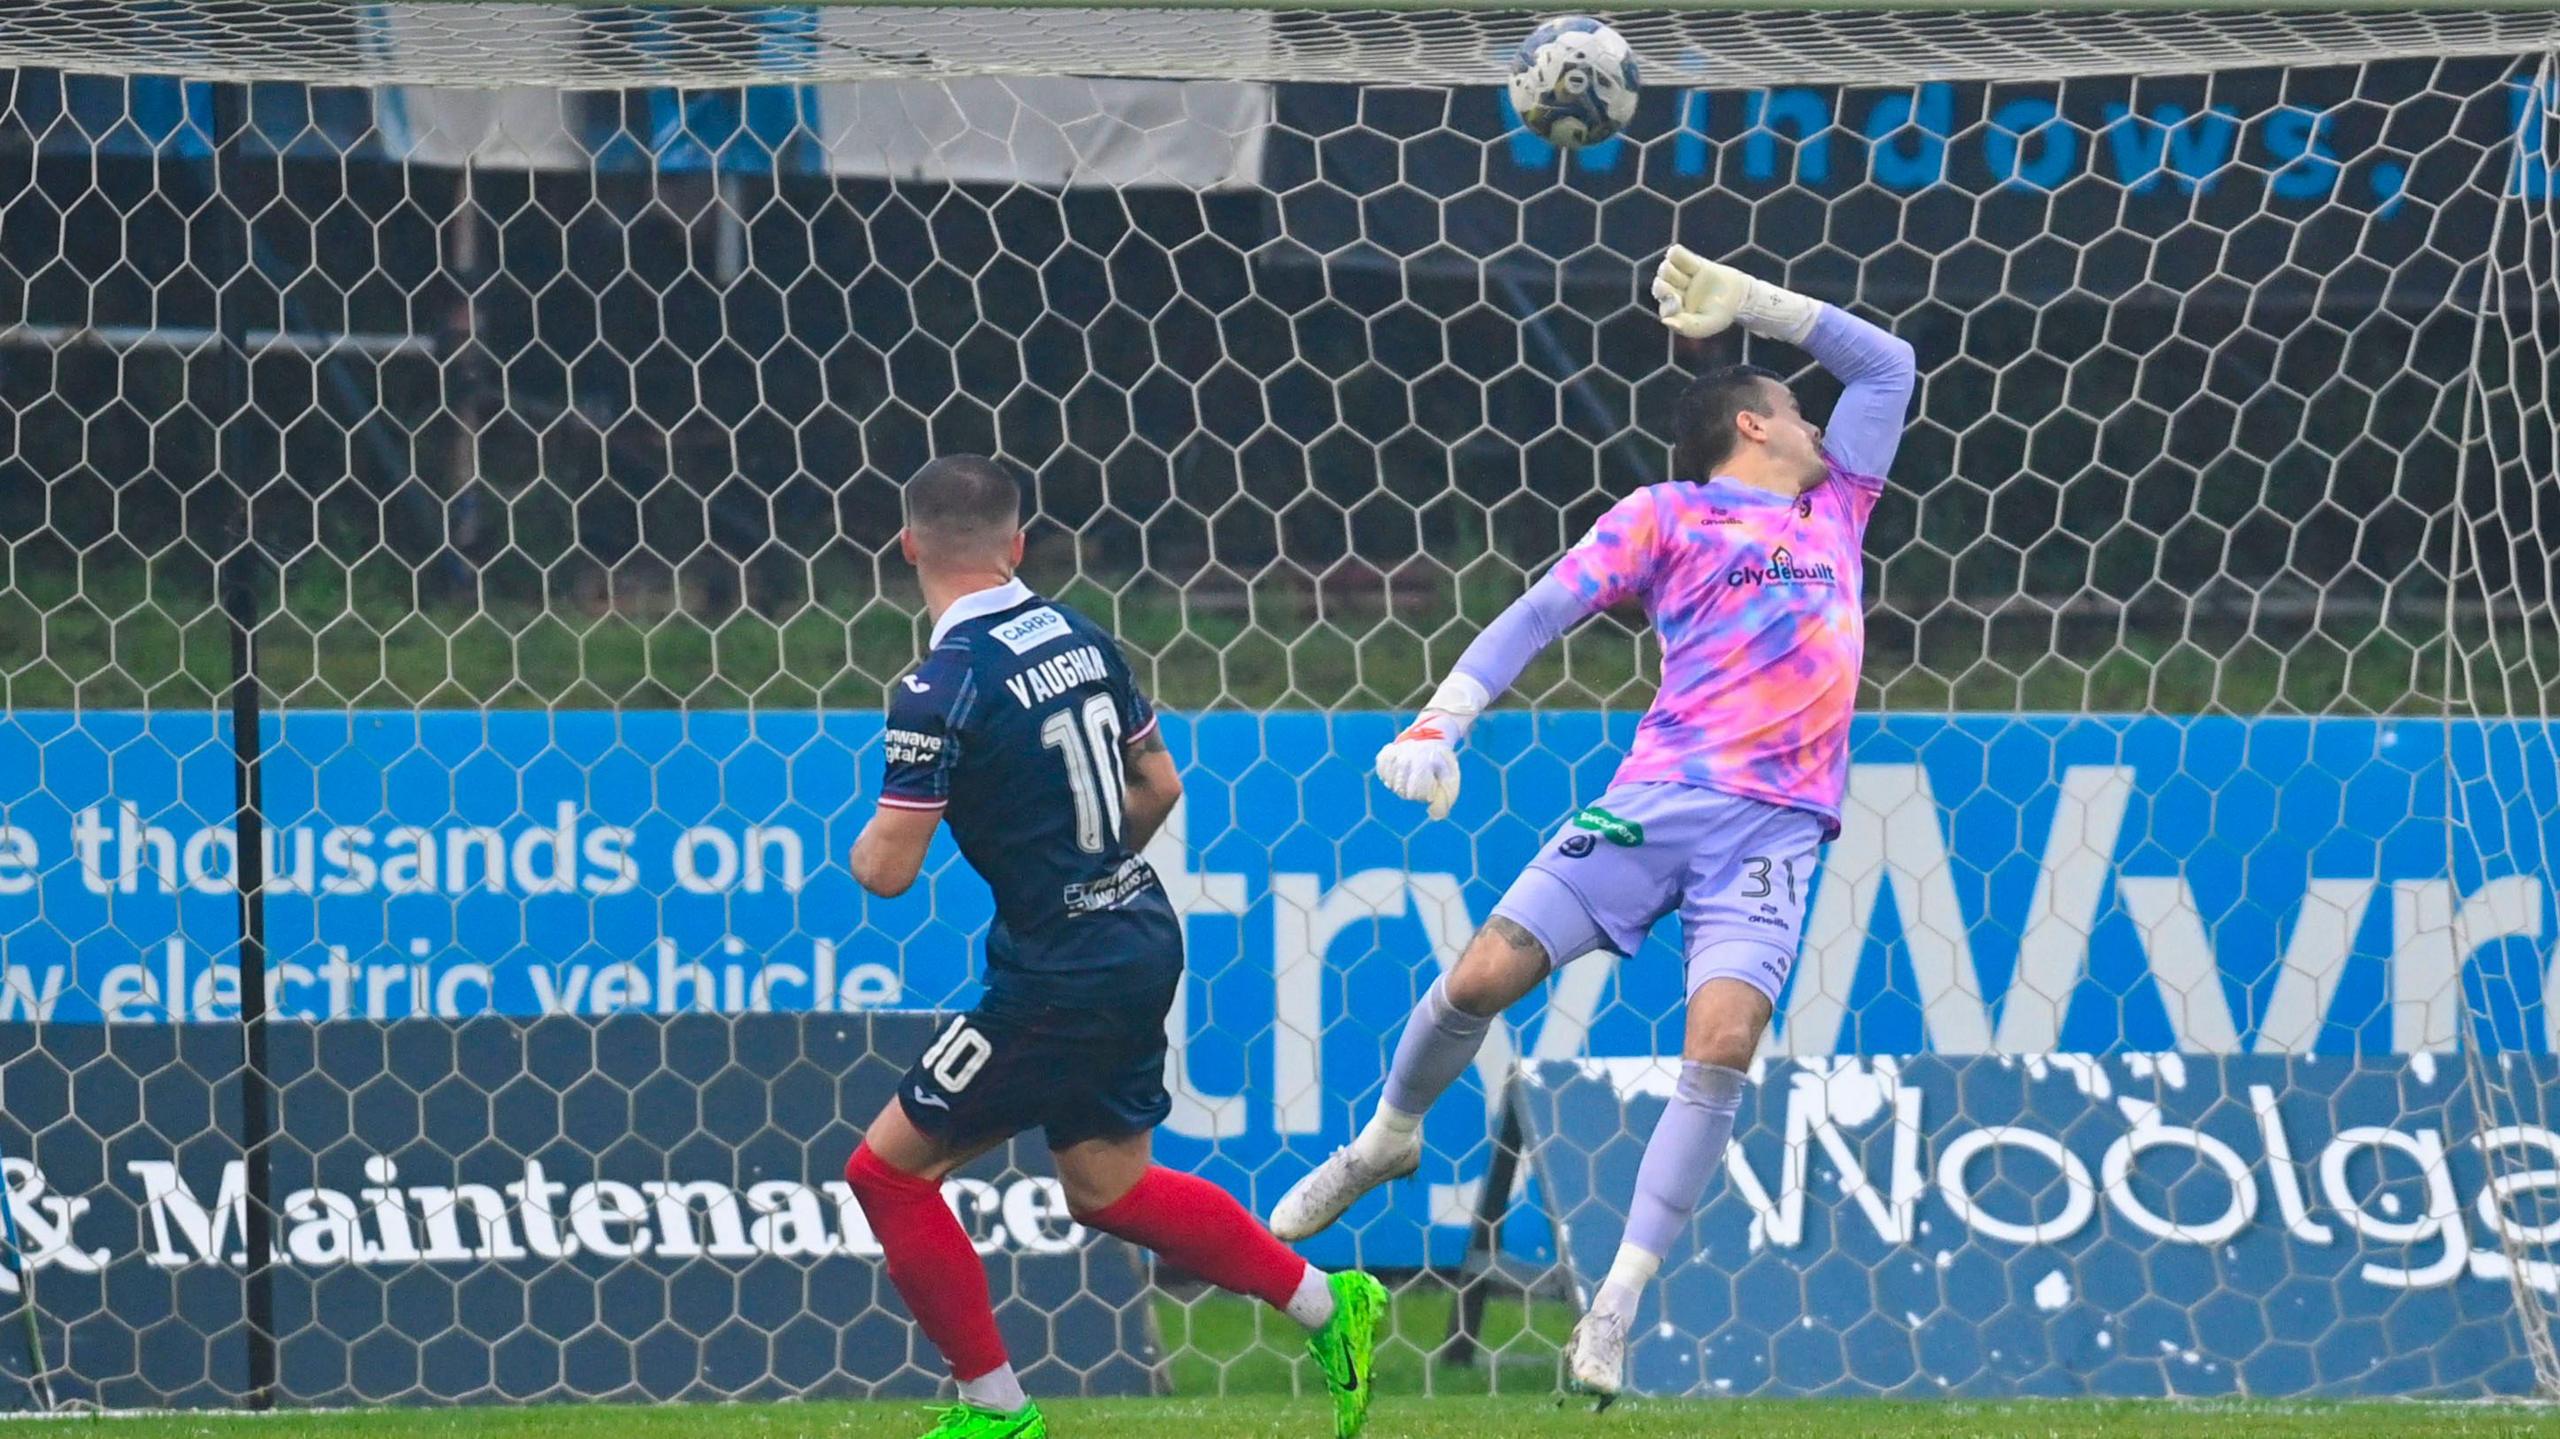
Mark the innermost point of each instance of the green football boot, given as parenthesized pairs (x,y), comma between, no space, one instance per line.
(1344,1347)
(968,1421)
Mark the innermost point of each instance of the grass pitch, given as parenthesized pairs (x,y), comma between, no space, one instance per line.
(1267,1395)
(1407,1417)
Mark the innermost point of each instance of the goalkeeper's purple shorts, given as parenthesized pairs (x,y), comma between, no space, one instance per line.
(1736,869)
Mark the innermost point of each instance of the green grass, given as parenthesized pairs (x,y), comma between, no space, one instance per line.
(1224,1345)
(1469,1417)
(1235,1375)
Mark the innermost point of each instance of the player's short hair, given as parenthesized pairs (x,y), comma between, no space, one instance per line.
(964,497)
(1703,435)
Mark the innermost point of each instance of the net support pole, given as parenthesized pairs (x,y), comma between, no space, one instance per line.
(240,580)
(1483,1264)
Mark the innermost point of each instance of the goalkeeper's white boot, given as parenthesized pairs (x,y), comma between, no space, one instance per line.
(1596,1355)
(1313,1203)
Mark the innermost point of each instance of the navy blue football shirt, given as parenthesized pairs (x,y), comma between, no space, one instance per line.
(1014,727)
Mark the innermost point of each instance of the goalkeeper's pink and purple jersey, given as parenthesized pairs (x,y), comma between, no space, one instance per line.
(1758,598)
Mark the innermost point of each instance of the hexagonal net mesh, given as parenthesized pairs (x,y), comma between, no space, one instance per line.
(499,411)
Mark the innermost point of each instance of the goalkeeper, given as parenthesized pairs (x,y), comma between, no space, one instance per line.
(1748,565)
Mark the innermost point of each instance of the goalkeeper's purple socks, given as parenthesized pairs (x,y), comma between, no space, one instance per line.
(1687,1146)
(1439,1042)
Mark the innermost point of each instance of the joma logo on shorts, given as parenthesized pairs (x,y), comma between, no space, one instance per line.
(1609,827)
(1783,570)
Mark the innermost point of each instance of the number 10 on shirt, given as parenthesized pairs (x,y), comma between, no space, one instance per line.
(1094,773)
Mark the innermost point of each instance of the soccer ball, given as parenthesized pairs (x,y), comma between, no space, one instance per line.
(1574,81)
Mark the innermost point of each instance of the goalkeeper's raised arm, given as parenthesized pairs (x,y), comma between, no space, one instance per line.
(1741,441)
(1698,297)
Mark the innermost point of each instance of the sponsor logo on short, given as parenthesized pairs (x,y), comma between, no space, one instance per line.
(1783,569)
(928,1097)
(916,685)
(1625,832)
(1575,846)
(1024,633)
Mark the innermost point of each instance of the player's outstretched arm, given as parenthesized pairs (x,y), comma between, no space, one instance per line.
(1699,297)
(1614,562)
(1877,375)
(1422,763)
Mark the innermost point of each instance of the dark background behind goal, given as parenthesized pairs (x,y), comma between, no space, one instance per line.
(2197,354)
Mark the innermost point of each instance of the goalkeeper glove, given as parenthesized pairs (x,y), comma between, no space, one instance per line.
(1422,763)
(1699,297)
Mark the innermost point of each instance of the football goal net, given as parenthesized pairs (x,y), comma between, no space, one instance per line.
(449,582)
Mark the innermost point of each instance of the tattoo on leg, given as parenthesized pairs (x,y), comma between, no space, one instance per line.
(1512,933)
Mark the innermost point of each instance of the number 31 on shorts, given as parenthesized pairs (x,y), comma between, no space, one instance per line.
(1761,866)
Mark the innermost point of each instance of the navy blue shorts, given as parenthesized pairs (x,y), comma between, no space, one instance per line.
(1079,1071)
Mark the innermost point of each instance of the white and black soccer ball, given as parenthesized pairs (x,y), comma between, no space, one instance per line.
(1574,81)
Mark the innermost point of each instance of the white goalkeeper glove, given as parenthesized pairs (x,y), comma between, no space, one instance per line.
(1422,763)
(1699,297)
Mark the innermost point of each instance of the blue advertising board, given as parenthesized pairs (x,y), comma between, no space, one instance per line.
(2135,1224)
(2003,884)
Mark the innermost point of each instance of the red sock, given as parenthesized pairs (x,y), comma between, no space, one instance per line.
(1201,1227)
(932,1263)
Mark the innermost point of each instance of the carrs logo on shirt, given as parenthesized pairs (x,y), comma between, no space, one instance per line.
(1784,570)
(1024,633)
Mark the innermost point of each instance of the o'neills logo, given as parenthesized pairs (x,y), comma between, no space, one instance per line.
(1783,570)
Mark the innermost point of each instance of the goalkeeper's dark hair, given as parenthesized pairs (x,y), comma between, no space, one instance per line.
(964,497)
(1702,433)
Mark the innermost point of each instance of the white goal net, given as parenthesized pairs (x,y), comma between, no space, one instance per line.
(448,503)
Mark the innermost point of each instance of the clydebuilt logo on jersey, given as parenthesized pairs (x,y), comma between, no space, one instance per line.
(1055,676)
(1024,633)
(1783,570)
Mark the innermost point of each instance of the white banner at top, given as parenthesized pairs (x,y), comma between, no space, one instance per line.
(1022,128)
(1204,135)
